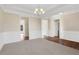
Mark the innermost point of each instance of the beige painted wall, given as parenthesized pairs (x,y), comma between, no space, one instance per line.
(1,21)
(71,22)
(11,22)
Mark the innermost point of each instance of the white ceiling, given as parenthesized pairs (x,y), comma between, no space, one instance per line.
(28,9)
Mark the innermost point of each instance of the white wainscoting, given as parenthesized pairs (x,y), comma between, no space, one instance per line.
(70,35)
(9,37)
(35,34)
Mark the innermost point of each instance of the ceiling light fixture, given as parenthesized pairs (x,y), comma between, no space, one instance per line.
(39,11)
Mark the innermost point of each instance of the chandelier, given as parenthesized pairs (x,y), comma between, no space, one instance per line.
(39,11)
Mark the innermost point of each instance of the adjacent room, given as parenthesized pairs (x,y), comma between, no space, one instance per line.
(39,29)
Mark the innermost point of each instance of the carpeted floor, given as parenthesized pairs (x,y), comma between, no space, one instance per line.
(37,47)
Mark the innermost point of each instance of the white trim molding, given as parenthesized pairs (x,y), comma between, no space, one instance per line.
(70,35)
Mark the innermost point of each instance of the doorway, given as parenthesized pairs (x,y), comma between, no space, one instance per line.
(57,28)
(24,28)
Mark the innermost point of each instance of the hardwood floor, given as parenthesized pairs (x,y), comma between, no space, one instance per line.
(26,38)
(64,42)
(53,39)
